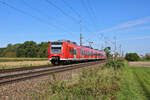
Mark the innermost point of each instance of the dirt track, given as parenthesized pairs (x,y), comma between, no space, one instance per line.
(140,63)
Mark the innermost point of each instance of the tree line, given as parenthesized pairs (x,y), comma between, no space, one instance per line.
(26,49)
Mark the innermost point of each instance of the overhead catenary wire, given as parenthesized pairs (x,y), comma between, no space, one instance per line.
(62,11)
(91,8)
(72,9)
(46,15)
(77,13)
(90,12)
(35,9)
(28,14)
(66,14)
(84,4)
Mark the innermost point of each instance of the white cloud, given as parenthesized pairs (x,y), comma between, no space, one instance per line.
(136,38)
(133,29)
(125,40)
(128,24)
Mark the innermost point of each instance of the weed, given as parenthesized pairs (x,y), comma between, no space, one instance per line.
(93,84)
(115,64)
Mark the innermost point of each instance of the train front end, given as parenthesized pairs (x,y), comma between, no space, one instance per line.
(55,52)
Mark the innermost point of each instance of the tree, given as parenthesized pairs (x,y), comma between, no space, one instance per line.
(147,56)
(132,57)
(9,51)
(2,52)
(107,51)
(10,54)
(20,52)
(43,49)
(30,49)
(27,49)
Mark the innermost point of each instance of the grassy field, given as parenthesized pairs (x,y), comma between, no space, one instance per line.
(92,84)
(19,64)
(2,59)
(23,65)
(110,82)
(135,84)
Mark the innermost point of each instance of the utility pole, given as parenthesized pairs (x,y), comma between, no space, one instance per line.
(102,47)
(115,48)
(120,47)
(122,53)
(90,44)
(105,42)
(80,33)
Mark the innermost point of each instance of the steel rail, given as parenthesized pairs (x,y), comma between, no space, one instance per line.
(23,68)
(29,75)
(27,68)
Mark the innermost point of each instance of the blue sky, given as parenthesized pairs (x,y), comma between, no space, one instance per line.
(102,20)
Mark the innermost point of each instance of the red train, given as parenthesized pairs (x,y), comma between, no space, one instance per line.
(65,51)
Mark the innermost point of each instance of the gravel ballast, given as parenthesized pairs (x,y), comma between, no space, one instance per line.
(23,90)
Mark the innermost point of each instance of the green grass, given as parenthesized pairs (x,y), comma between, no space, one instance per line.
(135,84)
(21,59)
(92,84)
(144,59)
(105,83)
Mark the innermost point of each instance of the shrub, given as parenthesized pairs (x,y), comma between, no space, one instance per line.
(147,56)
(92,84)
(132,57)
(115,64)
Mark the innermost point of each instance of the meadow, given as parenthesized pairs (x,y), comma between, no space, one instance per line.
(113,81)
(5,59)
(100,83)
(135,84)
(6,63)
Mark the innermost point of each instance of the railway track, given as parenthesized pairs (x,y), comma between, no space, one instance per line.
(23,68)
(11,76)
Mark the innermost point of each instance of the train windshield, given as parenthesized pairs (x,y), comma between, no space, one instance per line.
(55,49)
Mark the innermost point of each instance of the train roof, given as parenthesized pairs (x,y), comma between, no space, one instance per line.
(61,41)
(68,41)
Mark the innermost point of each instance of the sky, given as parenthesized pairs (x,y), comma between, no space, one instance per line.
(103,22)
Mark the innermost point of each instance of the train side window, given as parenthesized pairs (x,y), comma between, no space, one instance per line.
(70,51)
(81,51)
(75,51)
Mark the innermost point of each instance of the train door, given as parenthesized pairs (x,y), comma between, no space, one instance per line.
(70,53)
(67,52)
(75,56)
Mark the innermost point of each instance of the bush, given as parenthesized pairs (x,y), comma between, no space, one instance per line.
(115,64)
(92,84)
(147,56)
(132,57)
